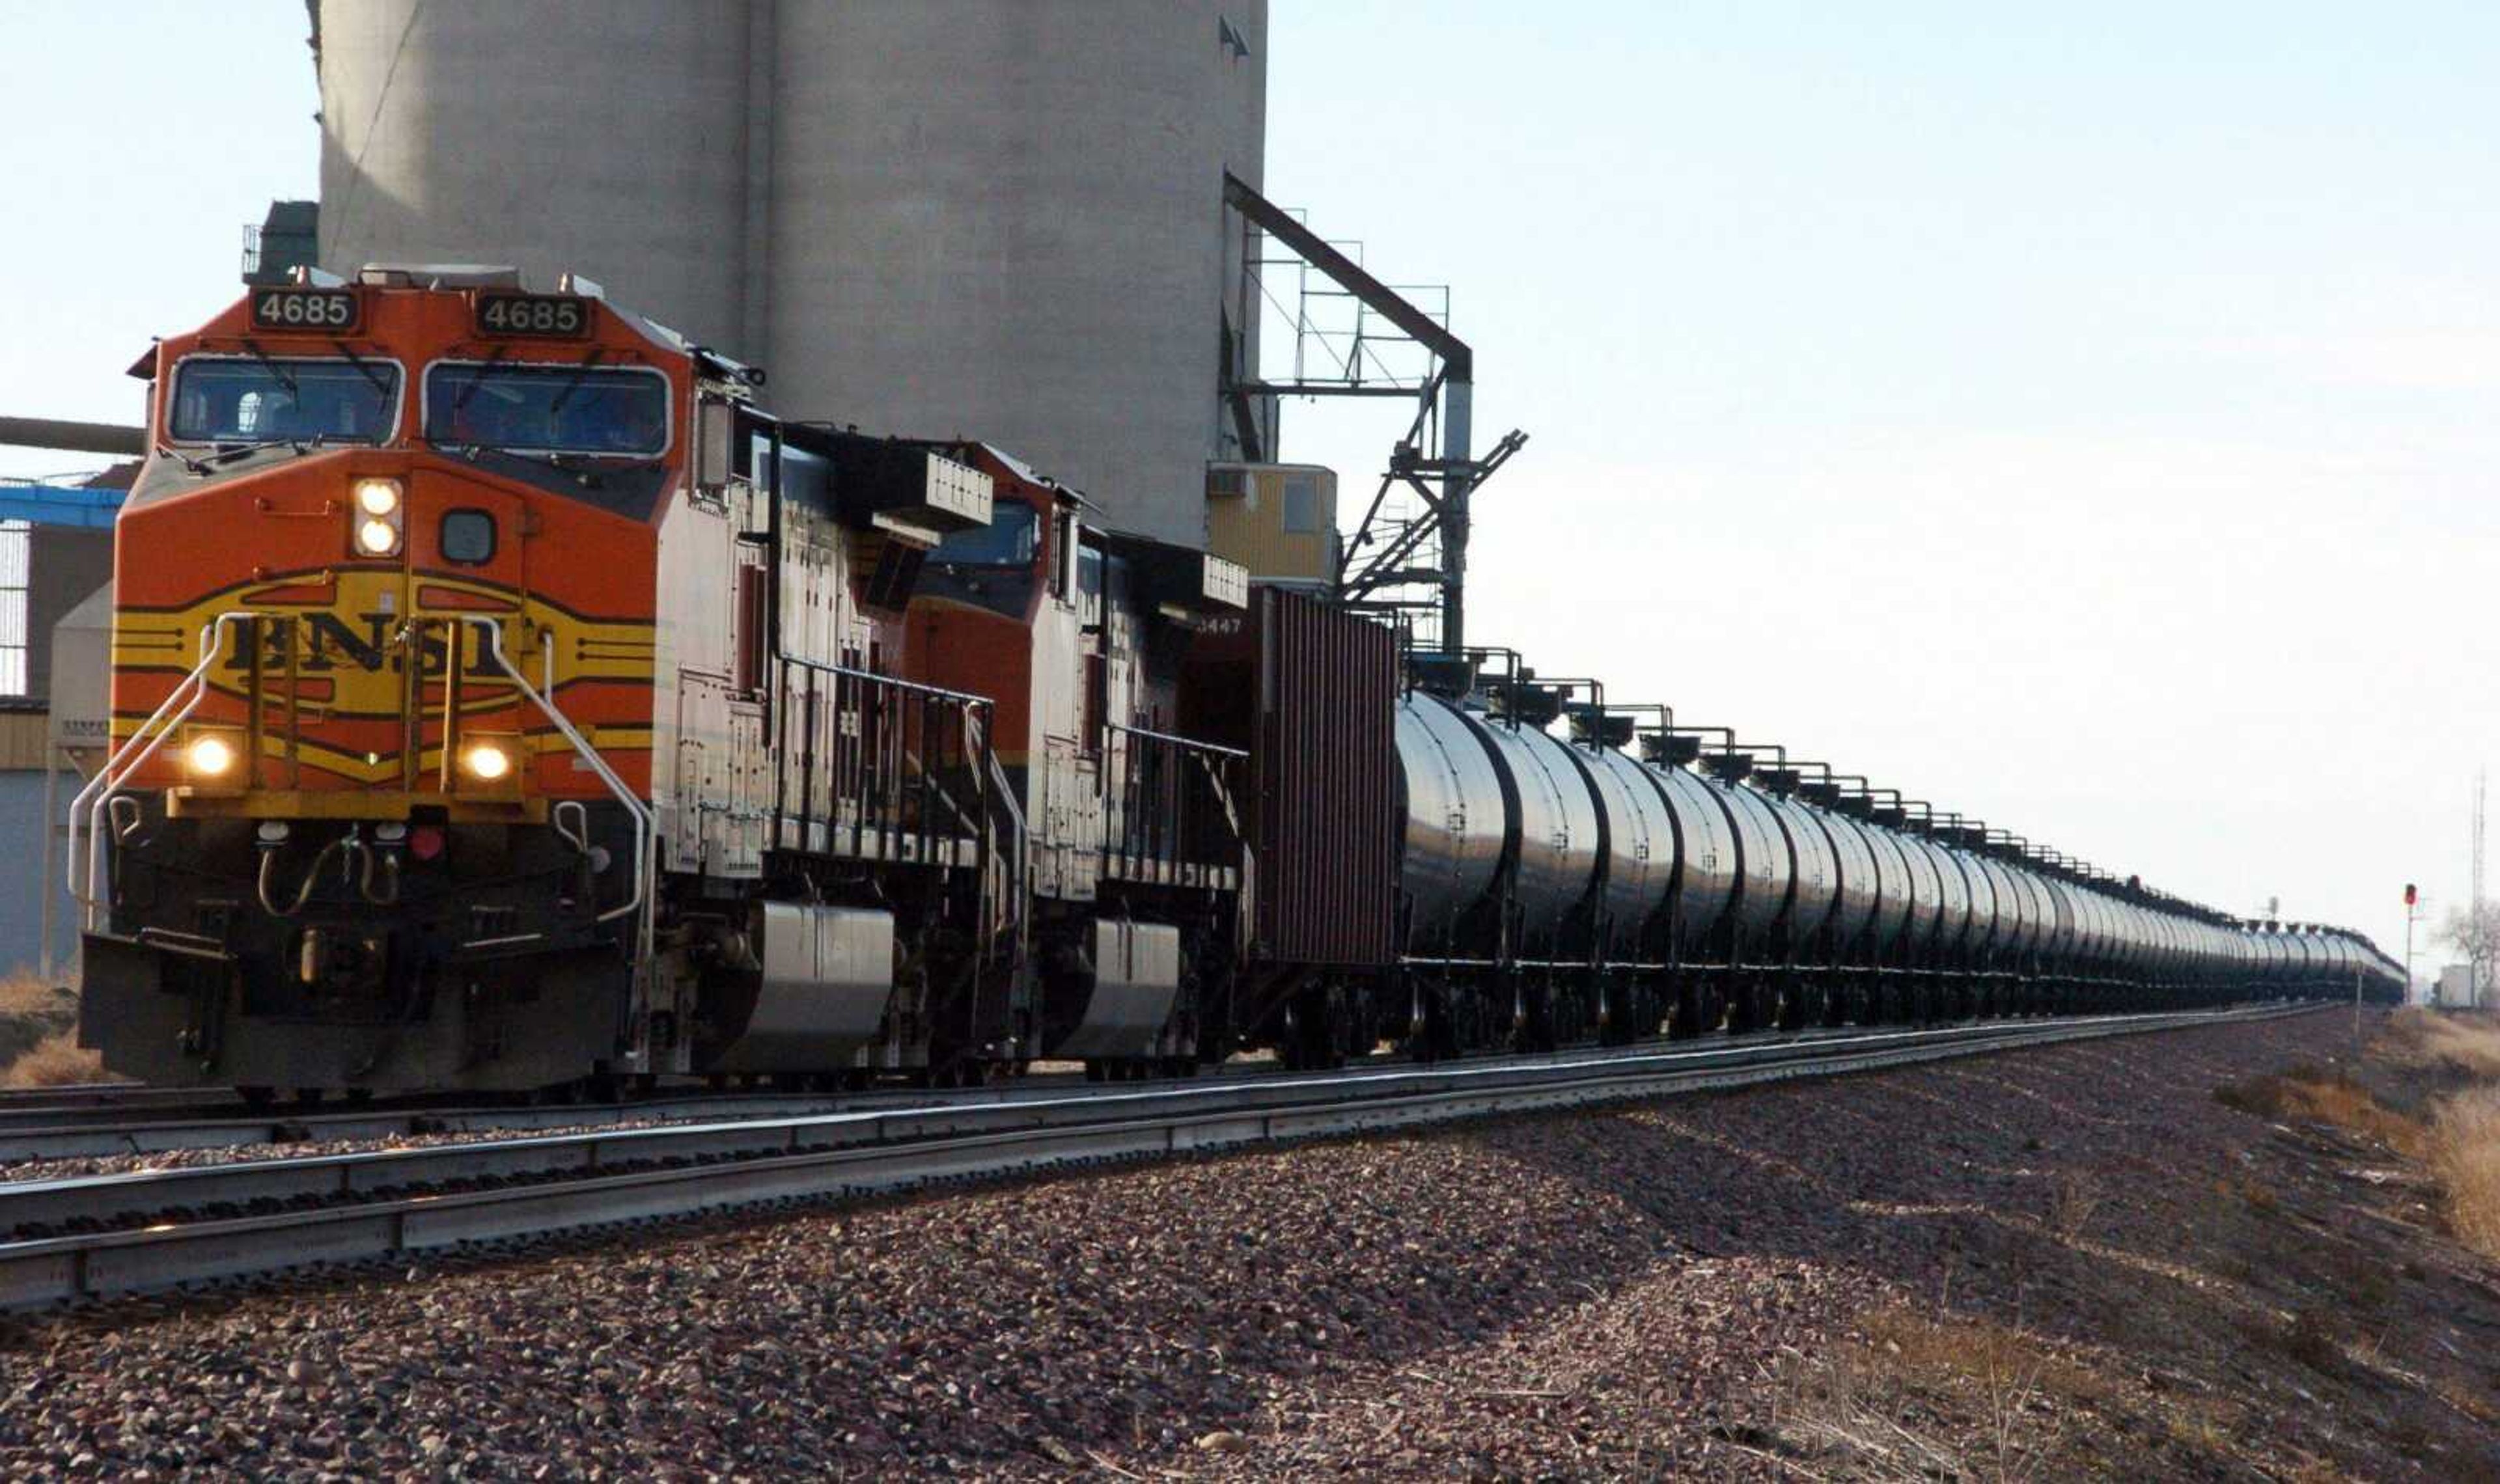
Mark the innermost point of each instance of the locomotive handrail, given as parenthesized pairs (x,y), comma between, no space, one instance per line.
(119,765)
(1168,826)
(640,811)
(877,759)
(937,692)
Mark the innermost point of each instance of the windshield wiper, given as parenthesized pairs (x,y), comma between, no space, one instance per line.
(483,372)
(574,384)
(564,461)
(270,366)
(227,452)
(381,388)
(189,463)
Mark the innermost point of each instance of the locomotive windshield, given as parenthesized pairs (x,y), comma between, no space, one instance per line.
(549,408)
(1008,540)
(277,401)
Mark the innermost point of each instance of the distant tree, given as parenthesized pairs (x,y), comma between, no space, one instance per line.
(2473,933)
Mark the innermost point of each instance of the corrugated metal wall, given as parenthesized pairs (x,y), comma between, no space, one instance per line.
(1326,760)
(1309,691)
(23,881)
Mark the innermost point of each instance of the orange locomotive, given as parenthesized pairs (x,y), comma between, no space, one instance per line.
(502,699)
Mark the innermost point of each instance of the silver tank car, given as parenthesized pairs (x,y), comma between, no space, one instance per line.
(1553,828)
(1952,896)
(1926,893)
(1980,939)
(1894,889)
(1853,910)
(1640,847)
(1762,864)
(1705,855)
(1813,882)
(1455,819)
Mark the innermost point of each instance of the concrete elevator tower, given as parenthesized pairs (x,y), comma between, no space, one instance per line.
(999,218)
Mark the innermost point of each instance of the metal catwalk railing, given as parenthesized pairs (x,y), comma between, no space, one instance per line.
(1167,805)
(875,767)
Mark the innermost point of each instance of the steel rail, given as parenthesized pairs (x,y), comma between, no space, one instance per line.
(109,1120)
(685,1171)
(106,1121)
(898,1118)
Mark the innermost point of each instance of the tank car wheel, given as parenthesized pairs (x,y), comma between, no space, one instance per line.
(1682,1013)
(256,1098)
(359,1096)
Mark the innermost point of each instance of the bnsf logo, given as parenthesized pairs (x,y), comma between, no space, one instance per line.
(326,642)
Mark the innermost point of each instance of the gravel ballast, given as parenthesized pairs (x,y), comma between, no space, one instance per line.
(1613,1293)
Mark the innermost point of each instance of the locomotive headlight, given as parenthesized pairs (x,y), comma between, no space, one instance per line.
(210,758)
(377,538)
(213,763)
(376,516)
(377,497)
(493,764)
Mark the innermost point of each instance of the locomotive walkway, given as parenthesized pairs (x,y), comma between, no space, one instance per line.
(102,1236)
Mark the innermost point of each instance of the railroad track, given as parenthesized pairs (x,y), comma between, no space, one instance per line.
(102,1236)
(106,1120)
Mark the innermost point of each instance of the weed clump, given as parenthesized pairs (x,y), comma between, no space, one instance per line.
(57,1061)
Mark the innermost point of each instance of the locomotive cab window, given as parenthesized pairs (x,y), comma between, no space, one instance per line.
(468,537)
(583,409)
(1010,539)
(253,401)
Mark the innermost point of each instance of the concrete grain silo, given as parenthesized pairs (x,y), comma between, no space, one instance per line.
(998,218)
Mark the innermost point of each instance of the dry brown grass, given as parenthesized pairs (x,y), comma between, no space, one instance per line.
(57,1061)
(2318,1095)
(1872,1412)
(2465,1156)
(24,994)
(2463,1043)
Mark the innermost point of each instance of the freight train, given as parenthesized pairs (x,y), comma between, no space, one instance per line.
(504,699)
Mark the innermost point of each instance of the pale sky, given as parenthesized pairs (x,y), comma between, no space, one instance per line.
(2083,423)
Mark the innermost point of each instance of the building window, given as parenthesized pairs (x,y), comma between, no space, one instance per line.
(1302,505)
(16,560)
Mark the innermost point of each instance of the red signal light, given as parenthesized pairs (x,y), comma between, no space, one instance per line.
(2409,894)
